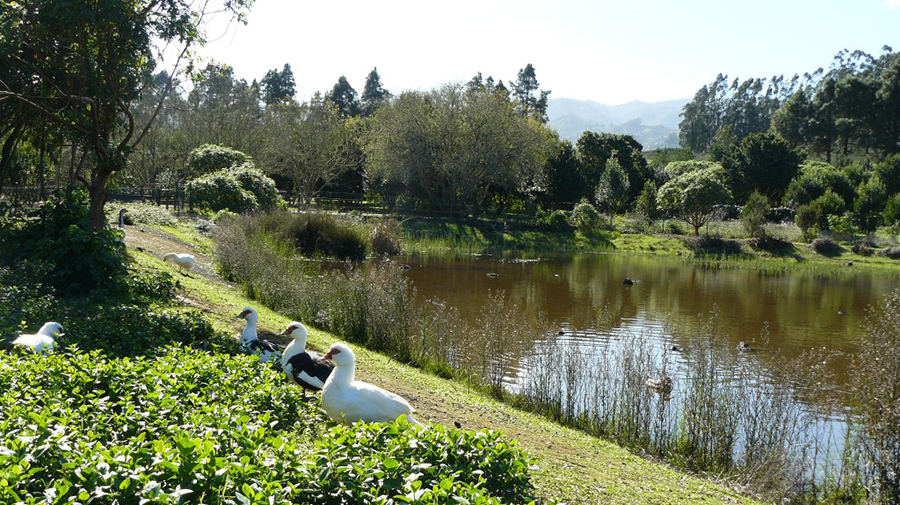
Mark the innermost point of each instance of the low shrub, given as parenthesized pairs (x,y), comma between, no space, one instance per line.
(807,219)
(714,244)
(585,217)
(148,213)
(58,240)
(727,212)
(825,246)
(384,239)
(239,189)
(314,234)
(557,220)
(753,215)
(890,252)
(773,244)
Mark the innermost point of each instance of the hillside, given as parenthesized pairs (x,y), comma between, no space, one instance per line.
(654,125)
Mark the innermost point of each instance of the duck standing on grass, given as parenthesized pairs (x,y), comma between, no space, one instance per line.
(250,341)
(306,369)
(184,261)
(43,341)
(348,400)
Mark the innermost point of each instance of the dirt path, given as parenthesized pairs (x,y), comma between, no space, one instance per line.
(570,465)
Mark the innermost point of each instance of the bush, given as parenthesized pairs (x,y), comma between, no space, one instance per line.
(807,219)
(829,204)
(780,214)
(557,220)
(57,239)
(842,225)
(715,245)
(314,234)
(385,238)
(262,187)
(890,252)
(585,217)
(221,191)
(753,215)
(825,246)
(148,213)
(773,244)
(892,211)
(210,158)
(647,206)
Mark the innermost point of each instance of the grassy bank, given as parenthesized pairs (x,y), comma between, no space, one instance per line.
(474,237)
(569,464)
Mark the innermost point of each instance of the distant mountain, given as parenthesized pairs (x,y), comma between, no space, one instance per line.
(654,125)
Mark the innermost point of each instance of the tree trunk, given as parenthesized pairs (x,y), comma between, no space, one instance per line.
(98,194)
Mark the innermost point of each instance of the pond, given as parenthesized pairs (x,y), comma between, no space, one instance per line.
(778,315)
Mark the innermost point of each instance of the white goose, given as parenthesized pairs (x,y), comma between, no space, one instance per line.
(348,400)
(306,369)
(267,351)
(43,341)
(185,261)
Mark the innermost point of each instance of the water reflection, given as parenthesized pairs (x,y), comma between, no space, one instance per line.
(585,297)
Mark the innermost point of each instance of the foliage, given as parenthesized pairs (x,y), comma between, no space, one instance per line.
(455,151)
(563,179)
(875,383)
(275,85)
(807,219)
(238,189)
(829,204)
(556,220)
(414,465)
(753,215)
(149,213)
(314,234)
(889,173)
(343,98)
(780,214)
(374,94)
(59,66)
(842,225)
(585,217)
(523,91)
(596,149)
(311,144)
(647,206)
(210,158)
(892,210)
(676,168)
(761,162)
(58,239)
(815,179)
(612,191)
(693,194)
(870,203)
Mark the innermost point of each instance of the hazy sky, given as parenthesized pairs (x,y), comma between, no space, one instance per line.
(608,52)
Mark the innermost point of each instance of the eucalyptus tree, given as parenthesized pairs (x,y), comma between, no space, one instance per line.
(82,66)
(309,143)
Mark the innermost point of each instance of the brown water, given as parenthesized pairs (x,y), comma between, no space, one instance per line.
(797,310)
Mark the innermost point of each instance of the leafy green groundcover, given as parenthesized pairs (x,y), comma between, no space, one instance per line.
(189,426)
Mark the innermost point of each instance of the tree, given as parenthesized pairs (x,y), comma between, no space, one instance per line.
(761,162)
(889,173)
(791,120)
(753,215)
(343,96)
(83,67)
(595,149)
(564,183)
(456,151)
(869,205)
(311,144)
(612,192)
(277,85)
(693,195)
(526,92)
(373,94)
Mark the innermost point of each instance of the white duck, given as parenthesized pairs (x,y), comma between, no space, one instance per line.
(267,351)
(306,369)
(348,400)
(185,261)
(42,341)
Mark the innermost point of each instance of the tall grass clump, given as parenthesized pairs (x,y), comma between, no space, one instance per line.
(315,234)
(876,391)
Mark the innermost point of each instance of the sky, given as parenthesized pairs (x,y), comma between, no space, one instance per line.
(604,51)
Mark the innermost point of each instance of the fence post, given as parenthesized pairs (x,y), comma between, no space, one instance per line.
(157,190)
(190,196)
